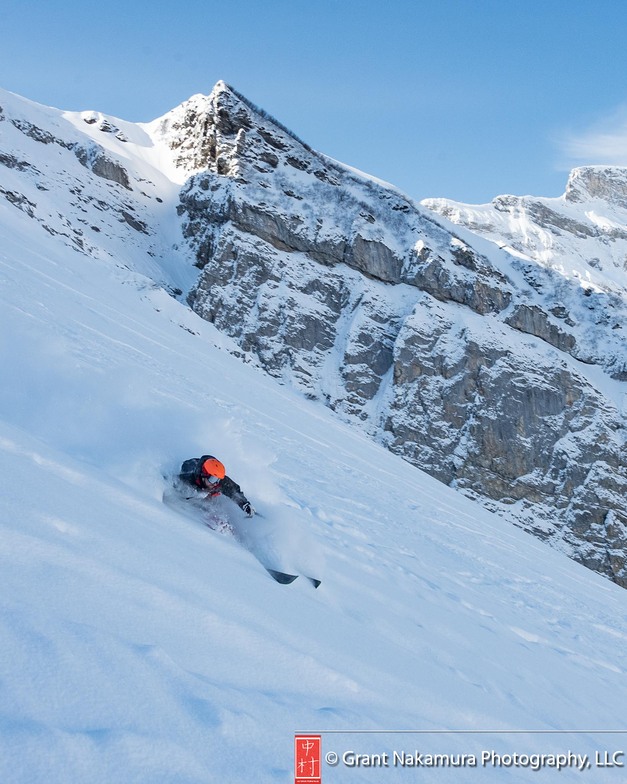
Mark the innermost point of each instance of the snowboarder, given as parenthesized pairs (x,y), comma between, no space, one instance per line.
(207,473)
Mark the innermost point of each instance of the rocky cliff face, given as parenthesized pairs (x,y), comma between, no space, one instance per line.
(495,372)
(497,364)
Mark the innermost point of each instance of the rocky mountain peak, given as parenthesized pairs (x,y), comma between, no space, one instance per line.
(608,183)
(188,131)
(224,133)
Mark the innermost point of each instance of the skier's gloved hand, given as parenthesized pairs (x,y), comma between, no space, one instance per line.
(248,509)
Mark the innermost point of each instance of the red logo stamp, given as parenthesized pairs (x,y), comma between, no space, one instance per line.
(307,759)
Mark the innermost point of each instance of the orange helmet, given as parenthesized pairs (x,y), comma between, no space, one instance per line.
(213,467)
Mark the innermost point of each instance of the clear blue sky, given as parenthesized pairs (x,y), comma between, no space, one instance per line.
(460,98)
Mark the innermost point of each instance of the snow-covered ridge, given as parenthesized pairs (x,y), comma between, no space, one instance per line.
(582,235)
(101,184)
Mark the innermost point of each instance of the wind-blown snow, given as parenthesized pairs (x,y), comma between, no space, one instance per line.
(137,645)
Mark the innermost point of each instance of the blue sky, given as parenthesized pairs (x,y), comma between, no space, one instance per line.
(460,98)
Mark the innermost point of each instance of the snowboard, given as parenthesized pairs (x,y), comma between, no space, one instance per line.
(223,516)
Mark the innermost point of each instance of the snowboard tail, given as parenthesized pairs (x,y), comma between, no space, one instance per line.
(281,577)
(285,579)
(218,519)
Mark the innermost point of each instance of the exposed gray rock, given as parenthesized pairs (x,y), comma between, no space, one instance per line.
(533,320)
(11,162)
(92,157)
(38,134)
(133,222)
(80,193)
(95,158)
(572,251)
(20,201)
(607,183)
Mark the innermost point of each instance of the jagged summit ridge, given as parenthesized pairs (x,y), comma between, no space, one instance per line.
(207,132)
(608,183)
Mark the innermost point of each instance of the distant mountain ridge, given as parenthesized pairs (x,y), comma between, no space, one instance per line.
(580,237)
(486,361)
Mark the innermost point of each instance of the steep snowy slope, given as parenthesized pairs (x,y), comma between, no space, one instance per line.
(138,646)
(98,183)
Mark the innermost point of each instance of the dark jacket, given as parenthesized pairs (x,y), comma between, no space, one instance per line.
(191,474)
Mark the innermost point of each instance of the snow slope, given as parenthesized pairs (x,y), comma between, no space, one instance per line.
(136,645)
